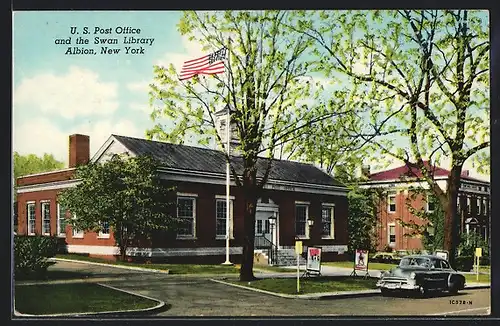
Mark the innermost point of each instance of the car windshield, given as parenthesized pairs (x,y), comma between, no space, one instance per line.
(415,261)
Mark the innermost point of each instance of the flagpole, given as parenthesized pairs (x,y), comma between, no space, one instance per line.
(228,143)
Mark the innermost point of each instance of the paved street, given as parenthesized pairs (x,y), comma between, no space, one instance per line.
(198,296)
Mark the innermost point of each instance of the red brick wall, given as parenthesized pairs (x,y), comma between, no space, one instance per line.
(402,212)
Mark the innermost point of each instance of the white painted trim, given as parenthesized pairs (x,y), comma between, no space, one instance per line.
(306,204)
(224,197)
(31,203)
(389,233)
(58,222)
(154,252)
(93,250)
(332,220)
(97,156)
(267,207)
(219,179)
(427,204)
(186,194)
(231,217)
(188,236)
(389,195)
(46,173)
(298,202)
(48,186)
(44,203)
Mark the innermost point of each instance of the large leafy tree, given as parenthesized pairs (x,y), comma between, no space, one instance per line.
(266,76)
(125,194)
(418,81)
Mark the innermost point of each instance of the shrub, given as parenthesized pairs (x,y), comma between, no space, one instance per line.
(464,263)
(31,255)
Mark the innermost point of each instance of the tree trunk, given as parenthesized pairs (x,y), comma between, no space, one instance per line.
(246,271)
(123,252)
(451,218)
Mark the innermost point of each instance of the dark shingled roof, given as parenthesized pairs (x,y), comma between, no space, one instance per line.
(209,160)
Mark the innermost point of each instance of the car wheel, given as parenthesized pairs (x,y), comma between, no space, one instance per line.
(453,288)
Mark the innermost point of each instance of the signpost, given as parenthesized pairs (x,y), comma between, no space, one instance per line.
(479,253)
(298,252)
(360,262)
(313,264)
(441,254)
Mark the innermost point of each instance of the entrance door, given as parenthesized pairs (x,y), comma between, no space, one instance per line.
(262,225)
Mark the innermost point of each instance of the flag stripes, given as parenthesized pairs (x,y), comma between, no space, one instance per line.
(206,65)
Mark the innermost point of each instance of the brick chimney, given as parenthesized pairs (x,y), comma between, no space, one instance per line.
(79,150)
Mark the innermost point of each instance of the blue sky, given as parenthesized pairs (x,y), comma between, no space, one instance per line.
(56,95)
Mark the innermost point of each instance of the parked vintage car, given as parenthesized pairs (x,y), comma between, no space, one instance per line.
(386,257)
(421,273)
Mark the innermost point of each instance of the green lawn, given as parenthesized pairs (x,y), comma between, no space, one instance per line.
(172,268)
(51,275)
(75,298)
(275,269)
(350,264)
(472,278)
(312,285)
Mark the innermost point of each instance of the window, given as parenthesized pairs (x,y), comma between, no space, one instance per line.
(392,234)
(76,232)
(327,222)
(445,264)
(301,214)
(104,231)
(220,216)
(61,220)
(468,204)
(30,212)
(45,218)
(478,205)
(431,205)
(186,211)
(391,199)
(484,206)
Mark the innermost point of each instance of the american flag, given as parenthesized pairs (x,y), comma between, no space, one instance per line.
(210,64)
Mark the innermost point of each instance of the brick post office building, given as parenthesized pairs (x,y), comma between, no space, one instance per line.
(295,193)
(473,204)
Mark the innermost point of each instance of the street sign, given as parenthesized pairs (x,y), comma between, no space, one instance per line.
(298,247)
(479,252)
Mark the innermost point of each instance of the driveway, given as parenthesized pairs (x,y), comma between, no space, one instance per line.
(198,296)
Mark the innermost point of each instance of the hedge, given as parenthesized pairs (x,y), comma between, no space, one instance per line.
(31,255)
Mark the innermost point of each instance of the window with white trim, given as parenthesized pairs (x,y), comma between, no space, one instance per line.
(478,201)
(31,216)
(104,230)
(431,205)
(391,233)
(391,203)
(484,205)
(327,221)
(220,218)
(301,215)
(61,220)
(76,232)
(45,207)
(468,204)
(186,211)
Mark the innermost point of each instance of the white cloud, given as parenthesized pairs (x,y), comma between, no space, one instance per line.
(79,92)
(141,86)
(192,50)
(142,107)
(43,136)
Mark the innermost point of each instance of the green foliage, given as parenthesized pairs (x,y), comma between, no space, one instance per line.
(31,255)
(125,193)
(31,163)
(469,243)
(362,218)
(417,82)
(428,225)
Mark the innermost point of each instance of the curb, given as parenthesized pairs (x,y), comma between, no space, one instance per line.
(116,266)
(312,296)
(159,306)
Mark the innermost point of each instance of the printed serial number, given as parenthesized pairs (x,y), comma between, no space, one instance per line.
(467,302)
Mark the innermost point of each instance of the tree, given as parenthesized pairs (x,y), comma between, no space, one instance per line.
(418,81)
(266,78)
(125,194)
